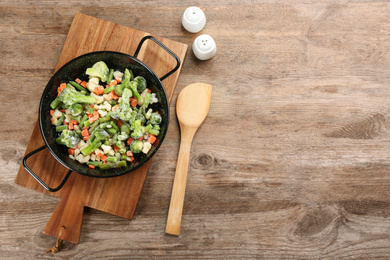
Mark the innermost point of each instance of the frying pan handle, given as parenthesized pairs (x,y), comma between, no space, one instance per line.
(37,178)
(162,46)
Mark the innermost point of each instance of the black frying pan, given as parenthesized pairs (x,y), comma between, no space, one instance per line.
(76,69)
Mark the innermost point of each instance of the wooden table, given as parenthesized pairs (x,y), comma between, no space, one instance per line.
(292,161)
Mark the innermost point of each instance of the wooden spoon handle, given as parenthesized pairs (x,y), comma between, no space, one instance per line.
(179,183)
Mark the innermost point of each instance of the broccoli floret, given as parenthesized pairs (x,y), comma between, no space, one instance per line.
(70,96)
(75,109)
(68,138)
(123,112)
(99,69)
(155,119)
(141,83)
(136,146)
(138,129)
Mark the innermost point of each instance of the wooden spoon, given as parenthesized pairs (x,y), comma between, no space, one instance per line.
(192,107)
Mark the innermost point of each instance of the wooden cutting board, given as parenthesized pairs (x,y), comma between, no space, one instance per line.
(119,195)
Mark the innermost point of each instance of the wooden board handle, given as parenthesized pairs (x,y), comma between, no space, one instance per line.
(68,213)
(179,183)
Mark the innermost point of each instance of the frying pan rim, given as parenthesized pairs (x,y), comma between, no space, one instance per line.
(48,86)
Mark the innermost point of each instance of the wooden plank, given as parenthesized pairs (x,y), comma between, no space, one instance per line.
(118,196)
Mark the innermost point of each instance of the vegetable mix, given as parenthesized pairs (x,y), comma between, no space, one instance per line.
(105,126)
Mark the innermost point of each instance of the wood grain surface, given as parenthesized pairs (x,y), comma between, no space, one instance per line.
(292,161)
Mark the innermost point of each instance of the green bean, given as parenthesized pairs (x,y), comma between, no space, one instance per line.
(79,133)
(61,128)
(77,118)
(109,89)
(54,104)
(110,131)
(107,166)
(110,76)
(113,102)
(114,126)
(94,125)
(60,120)
(83,120)
(79,87)
(121,164)
(104,125)
(125,157)
(87,123)
(112,159)
(89,109)
(96,164)
(106,118)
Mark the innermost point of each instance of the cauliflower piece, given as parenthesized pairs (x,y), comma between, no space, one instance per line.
(76,127)
(54,120)
(67,119)
(67,111)
(93,83)
(102,113)
(57,113)
(106,97)
(105,106)
(82,159)
(71,157)
(98,151)
(76,151)
(99,99)
(118,75)
(153,99)
(111,152)
(93,157)
(148,114)
(106,148)
(81,145)
(147,147)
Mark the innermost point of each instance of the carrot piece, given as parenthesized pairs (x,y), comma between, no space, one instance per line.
(118,80)
(116,148)
(78,80)
(85,138)
(75,122)
(62,110)
(63,85)
(133,102)
(51,112)
(141,138)
(103,157)
(115,108)
(84,84)
(66,123)
(71,151)
(112,95)
(113,82)
(99,90)
(91,166)
(85,132)
(129,141)
(149,91)
(152,139)
(94,117)
(71,126)
(129,153)
(132,159)
(119,123)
